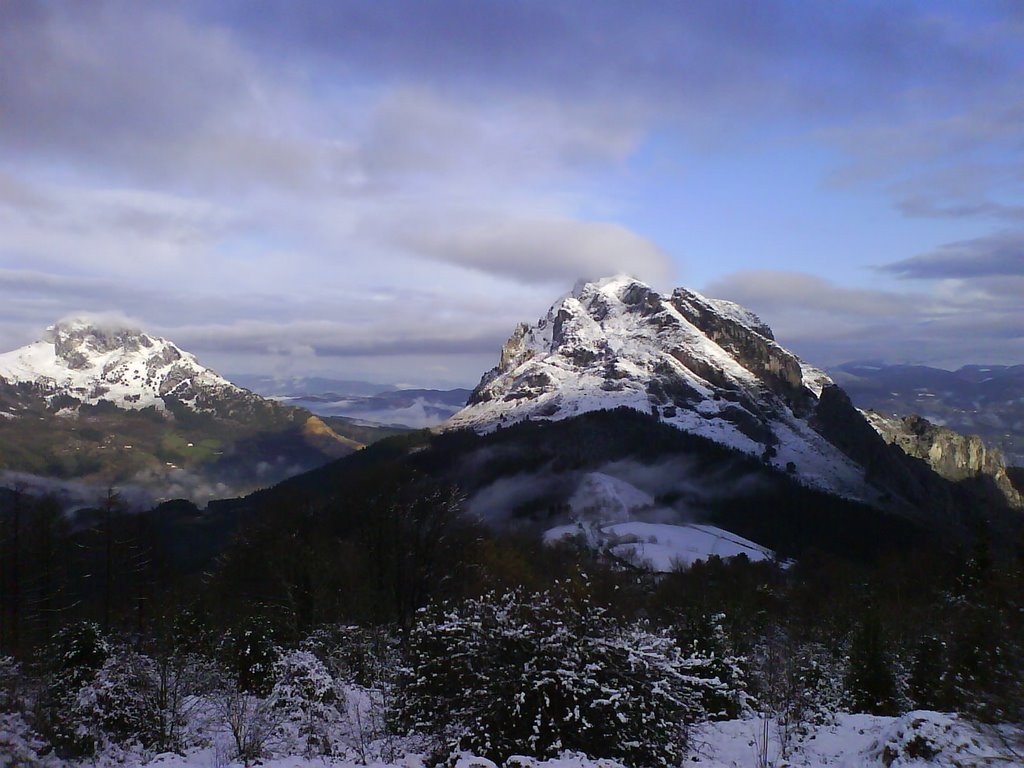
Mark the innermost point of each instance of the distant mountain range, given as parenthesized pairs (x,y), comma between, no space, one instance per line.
(92,405)
(361,401)
(981,400)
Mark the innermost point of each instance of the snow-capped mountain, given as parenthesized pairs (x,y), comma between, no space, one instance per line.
(90,362)
(706,366)
(104,404)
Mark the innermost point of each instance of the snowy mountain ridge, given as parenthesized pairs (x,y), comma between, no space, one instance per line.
(91,361)
(705,366)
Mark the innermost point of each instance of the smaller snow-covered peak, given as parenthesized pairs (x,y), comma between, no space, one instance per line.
(90,359)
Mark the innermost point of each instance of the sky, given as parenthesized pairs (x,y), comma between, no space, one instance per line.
(382,190)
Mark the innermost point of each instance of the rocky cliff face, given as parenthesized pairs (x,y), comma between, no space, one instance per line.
(952,455)
(744,336)
(711,368)
(702,365)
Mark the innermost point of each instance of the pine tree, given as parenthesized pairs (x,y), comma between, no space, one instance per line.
(870,682)
(928,682)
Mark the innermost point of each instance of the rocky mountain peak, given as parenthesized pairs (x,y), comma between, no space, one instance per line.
(714,369)
(703,365)
(87,361)
(76,340)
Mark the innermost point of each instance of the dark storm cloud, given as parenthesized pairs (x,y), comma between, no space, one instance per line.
(993,255)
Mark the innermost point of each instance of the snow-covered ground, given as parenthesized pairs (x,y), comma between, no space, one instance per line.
(607,514)
(662,547)
(917,739)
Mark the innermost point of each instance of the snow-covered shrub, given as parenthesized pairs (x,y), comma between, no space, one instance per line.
(512,674)
(249,653)
(366,656)
(136,699)
(119,703)
(725,694)
(798,685)
(817,685)
(76,654)
(253,722)
(309,699)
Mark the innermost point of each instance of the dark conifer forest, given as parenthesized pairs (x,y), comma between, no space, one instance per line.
(372,571)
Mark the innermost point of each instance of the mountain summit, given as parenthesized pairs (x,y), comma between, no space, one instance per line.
(92,361)
(104,403)
(705,366)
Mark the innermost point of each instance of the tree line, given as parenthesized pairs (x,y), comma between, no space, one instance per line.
(388,589)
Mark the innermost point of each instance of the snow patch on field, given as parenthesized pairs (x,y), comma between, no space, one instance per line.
(662,547)
(915,740)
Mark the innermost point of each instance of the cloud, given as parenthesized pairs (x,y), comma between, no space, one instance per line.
(324,338)
(999,254)
(948,323)
(543,249)
(799,291)
(699,59)
(380,168)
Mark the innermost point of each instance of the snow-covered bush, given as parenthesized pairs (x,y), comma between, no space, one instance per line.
(76,654)
(119,703)
(249,654)
(309,699)
(365,656)
(725,694)
(512,674)
(817,686)
(253,722)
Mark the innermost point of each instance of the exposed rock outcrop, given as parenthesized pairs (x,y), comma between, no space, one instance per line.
(952,455)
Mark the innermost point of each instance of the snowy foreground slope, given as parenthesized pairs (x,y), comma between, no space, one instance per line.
(917,739)
(705,366)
